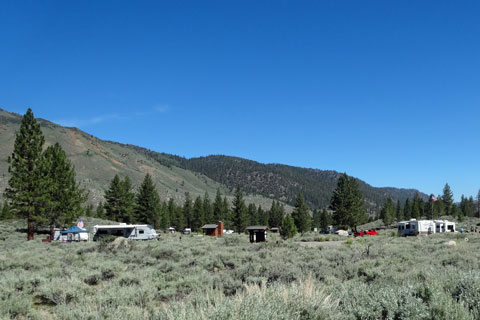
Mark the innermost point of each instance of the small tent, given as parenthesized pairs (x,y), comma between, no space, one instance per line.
(73,234)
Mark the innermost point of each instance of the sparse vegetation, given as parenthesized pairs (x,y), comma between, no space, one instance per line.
(200,277)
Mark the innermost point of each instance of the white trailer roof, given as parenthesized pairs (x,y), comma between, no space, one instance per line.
(120,226)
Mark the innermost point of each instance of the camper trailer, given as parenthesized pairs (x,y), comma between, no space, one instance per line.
(444,226)
(415,227)
(129,231)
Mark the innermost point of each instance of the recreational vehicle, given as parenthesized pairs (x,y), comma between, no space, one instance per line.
(444,226)
(130,231)
(415,227)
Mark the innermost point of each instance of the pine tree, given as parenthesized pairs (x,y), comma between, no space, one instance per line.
(120,200)
(252,214)
(417,207)
(316,216)
(218,214)
(399,211)
(347,203)
(325,219)
(438,207)
(188,210)
(387,214)
(407,210)
(198,214)
(447,199)
(262,216)
(276,214)
(227,214)
(61,197)
(147,209)
(164,217)
(23,185)
(300,215)
(239,211)
(128,201)
(208,209)
(288,228)
(5,211)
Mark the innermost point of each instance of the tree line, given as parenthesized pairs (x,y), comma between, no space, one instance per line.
(433,208)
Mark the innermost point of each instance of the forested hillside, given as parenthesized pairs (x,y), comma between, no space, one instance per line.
(278,181)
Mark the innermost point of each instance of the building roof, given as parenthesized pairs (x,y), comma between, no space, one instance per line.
(210,226)
(257,228)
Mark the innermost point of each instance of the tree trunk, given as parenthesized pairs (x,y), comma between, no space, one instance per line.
(52,232)
(30,235)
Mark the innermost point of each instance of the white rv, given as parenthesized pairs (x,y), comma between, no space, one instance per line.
(415,227)
(444,226)
(130,231)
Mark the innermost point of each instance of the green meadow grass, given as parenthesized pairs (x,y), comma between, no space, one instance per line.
(196,277)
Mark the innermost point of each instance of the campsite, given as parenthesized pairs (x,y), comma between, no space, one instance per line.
(202,277)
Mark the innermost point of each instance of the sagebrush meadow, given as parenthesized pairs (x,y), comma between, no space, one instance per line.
(198,277)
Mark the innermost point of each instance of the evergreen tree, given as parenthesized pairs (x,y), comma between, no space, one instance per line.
(276,214)
(120,200)
(179,220)
(227,214)
(417,207)
(188,210)
(399,211)
(300,215)
(164,221)
(288,228)
(316,216)
(347,203)
(5,211)
(252,214)
(218,214)
(239,211)
(325,219)
(100,212)
(23,185)
(447,199)
(407,210)
(147,209)
(262,216)
(208,210)
(198,214)
(62,197)
(387,214)
(438,207)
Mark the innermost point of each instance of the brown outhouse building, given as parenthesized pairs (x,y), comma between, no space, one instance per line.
(215,230)
(257,233)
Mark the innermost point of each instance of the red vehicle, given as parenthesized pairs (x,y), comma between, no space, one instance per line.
(370,232)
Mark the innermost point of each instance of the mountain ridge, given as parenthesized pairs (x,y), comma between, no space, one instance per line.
(97,161)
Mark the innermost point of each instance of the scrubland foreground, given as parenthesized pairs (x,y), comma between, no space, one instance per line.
(196,277)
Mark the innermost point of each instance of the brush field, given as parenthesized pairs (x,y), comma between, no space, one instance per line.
(197,277)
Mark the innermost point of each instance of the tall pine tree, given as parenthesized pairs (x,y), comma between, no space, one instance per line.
(120,200)
(24,183)
(239,211)
(300,215)
(198,214)
(347,203)
(147,209)
(447,199)
(62,197)
(387,214)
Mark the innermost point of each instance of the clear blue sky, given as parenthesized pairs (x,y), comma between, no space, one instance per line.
(387,91)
